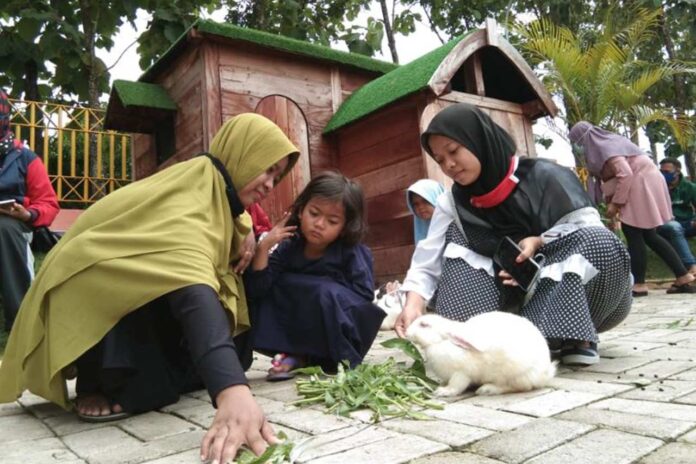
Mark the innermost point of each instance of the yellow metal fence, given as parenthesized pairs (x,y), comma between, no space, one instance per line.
(84,162)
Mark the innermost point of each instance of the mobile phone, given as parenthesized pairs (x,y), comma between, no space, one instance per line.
(7,203)
(524,273)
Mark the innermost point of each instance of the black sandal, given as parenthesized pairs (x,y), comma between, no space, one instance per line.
(683,288)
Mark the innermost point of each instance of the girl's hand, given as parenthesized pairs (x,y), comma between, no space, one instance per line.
(412,310)
(277,234)
(529,246)
(247,253)
(17,211)
(238,421)
(612,211)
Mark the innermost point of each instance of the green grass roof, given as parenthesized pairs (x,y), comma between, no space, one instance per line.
(275,41)
(402,81)
(143,94)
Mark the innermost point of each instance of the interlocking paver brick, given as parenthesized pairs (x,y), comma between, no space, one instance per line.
(394,450)
(600,447)
(310,421)
(450,433)
(109,439)
(9,409)
(342,440)
(553,403)
(672,453)
(619,415)
(154,425)
(651,426)
(480,417)
(529,440)
(662,390)
(649,408)
(146,451)
(21,428)
(452,457)
(43,451)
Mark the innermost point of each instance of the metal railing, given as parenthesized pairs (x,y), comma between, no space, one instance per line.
(84,161)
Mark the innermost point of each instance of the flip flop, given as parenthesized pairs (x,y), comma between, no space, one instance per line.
(684,288)
(114,416)
(639,294)
(282,359)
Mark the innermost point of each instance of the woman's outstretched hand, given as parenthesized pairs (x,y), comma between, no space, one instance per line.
(412,310)
(238,421)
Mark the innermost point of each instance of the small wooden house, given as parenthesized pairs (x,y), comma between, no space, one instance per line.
(343,111)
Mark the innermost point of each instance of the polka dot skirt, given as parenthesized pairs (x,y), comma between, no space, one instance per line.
(566,310)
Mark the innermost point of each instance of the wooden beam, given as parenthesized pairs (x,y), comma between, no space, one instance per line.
(336,91)
(439,82)
(211,101)
(491,32)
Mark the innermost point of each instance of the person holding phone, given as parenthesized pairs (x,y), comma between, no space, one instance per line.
(584,282)
(27,200)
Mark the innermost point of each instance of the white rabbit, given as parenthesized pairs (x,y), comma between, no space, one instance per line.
(499,351)
(388,299)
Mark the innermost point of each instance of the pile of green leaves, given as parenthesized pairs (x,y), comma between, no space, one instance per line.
(274,454)
(388,389)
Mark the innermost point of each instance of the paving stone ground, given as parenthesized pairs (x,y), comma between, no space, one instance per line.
(638,405)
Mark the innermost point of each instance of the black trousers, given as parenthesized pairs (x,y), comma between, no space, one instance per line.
(175,344)
(16,261)
(636,239)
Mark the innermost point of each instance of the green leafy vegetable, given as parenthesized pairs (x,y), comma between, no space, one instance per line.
(388,389)
(274,454)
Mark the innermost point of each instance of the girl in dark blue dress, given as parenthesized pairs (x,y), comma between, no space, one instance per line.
(312,297)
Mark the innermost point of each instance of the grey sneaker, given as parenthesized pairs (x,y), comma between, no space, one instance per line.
(580,356)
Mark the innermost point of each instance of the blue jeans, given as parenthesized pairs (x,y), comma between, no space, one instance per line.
(677,232)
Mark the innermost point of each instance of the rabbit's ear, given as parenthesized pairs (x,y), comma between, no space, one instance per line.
(462,342)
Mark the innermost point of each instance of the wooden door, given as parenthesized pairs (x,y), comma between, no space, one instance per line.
(288,116)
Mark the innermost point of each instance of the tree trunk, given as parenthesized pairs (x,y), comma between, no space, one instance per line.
(388,31)
(90,14)
(679,91)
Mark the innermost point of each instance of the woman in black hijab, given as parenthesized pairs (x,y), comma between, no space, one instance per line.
(584,286)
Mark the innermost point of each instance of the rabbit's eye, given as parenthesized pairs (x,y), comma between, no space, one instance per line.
(424,324)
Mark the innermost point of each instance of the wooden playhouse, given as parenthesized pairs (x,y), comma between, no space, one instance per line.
(345,112)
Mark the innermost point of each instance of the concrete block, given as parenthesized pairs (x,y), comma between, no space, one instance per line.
(22,427)
(42,451)
(661,390)
(600,447)
(649,408)
(453,457)
(449,433)
(476,416)
(394,450)
(553,403)
(155,425)
(658,427)
(672,453)
(529,440)
(310,421)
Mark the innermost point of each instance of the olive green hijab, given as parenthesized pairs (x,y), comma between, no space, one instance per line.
(165,232)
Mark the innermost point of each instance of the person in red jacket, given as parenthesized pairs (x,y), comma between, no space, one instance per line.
(27,200)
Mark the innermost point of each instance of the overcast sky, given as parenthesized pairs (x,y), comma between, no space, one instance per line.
(409,48)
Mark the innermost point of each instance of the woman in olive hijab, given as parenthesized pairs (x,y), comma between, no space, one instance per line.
(583,286)
(141,298)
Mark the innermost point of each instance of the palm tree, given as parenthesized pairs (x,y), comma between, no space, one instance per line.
(597,75)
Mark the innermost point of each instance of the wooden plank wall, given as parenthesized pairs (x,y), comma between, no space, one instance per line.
(383,154)
(249,73)
(183,82)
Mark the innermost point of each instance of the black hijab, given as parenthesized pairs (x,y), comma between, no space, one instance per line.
(545,193)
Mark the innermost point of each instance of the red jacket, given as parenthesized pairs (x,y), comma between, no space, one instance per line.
(23,178)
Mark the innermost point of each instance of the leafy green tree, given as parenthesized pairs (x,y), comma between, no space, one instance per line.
(598,75)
